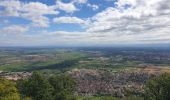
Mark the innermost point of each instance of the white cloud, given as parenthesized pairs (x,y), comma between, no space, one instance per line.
(134,21)
(33,11)
(13,29)
(138,13)
(93,6)
(80,1)
(40,21)
(72,20)
(11,7)
(38,8)
(130,22)
(67,7)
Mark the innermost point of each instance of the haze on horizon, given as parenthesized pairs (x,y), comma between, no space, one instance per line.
(84,22)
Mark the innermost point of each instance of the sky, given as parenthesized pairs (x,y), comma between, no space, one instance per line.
(84,22)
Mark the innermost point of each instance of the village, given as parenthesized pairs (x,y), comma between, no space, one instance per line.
(15,75)
(93,82)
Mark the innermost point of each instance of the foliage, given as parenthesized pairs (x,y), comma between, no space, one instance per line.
(8,90)
(133,98)
(36,87)
(158,88)
(63,87)
(96,98)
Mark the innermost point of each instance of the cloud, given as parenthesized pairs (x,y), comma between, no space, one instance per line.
(67,7)
(134,21)
(70,20)
(80,1)
(93,6)
(61,38)
(140,15)
(128,22)
(13,29)
(38,8)
(40,21)
(11,7)
(33,11)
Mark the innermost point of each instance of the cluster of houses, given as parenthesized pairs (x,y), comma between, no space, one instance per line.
(15,75)
(151,57)
(97,82)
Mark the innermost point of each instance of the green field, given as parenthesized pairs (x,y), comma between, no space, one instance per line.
(66,59)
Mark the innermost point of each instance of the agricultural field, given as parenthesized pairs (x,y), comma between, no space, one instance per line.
(37,59)
(113,59)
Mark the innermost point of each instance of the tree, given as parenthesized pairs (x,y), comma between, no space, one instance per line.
(37,87)
(63,87)
(8,90)
(158,88)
